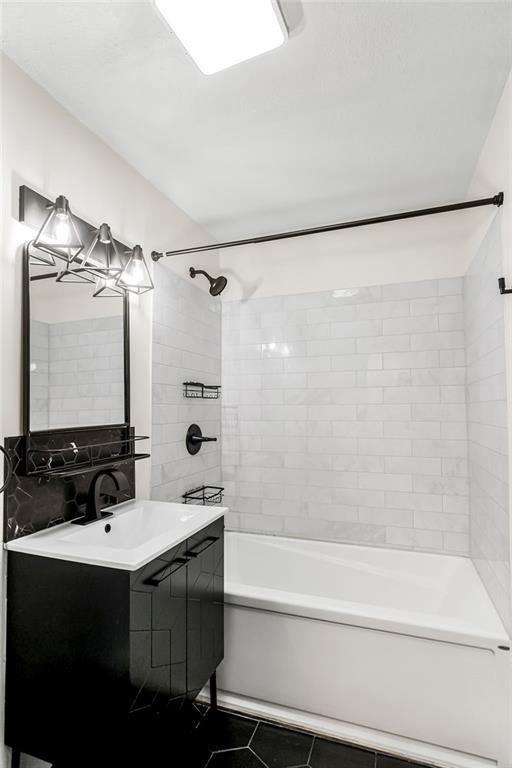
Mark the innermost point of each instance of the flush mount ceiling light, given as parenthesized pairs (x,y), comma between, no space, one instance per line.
(220,33)
(102,258)
(59,236)
(135,276)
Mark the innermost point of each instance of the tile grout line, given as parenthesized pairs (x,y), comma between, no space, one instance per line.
(308,761)
(258,722)
(257,757)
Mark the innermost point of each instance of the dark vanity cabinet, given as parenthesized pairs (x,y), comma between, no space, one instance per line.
(177,622)
(98,655)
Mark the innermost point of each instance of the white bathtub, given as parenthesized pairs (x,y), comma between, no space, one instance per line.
(394,650)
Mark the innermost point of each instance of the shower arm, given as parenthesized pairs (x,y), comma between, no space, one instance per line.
(496,200)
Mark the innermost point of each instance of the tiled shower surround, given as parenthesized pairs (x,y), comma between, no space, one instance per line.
(76,373)
(186,347)
(487,420)
(39,392)
(344,415)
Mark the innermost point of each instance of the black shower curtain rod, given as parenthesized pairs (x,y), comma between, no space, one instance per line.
(496,200)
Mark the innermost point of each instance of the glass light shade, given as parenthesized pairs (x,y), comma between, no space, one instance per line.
(102,258)
(106,288)
(135,276)
(59,236)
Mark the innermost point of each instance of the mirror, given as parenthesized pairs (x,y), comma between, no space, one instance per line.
(76,358)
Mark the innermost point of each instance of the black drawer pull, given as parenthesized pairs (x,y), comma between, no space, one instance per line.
(166,571)
(195,552)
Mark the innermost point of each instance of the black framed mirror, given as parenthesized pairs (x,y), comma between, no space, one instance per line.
(76,354)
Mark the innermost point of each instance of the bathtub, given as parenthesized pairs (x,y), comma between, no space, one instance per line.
(398,651)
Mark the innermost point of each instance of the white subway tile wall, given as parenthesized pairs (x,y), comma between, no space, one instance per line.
(77,374)
(186,347)
(86,372)
(487,423)
(344,415)
(39,393)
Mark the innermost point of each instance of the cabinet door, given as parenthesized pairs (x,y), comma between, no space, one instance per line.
(158,633)
(205,606)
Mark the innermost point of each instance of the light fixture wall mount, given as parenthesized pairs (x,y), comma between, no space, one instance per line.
(116,268)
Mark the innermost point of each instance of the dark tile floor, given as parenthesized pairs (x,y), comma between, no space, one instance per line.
(222,739)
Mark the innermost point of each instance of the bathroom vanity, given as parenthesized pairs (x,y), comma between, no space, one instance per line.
(111,627)
(114,606)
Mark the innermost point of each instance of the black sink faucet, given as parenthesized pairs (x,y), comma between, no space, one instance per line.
(93,509)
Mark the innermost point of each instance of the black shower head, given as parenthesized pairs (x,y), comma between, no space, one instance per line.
(217,284)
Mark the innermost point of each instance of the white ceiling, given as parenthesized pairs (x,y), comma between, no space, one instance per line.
(368,108)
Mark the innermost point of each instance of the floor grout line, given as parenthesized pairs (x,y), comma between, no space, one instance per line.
(286,727)
(308,761)
(258,723)
(257,757)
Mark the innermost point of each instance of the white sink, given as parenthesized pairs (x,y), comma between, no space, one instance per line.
(137,532)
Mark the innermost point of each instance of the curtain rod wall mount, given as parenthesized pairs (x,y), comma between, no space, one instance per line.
(496,200)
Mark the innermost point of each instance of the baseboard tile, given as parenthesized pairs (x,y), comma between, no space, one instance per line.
(355,734)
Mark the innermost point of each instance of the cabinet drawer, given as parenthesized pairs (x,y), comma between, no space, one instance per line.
(205,605)
(158,632)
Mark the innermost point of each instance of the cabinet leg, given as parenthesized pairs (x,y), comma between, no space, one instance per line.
(15,758)
(213,691)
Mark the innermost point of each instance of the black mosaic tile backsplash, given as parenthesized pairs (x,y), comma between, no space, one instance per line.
(32,503)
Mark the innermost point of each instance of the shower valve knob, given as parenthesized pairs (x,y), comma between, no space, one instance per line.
(195,439)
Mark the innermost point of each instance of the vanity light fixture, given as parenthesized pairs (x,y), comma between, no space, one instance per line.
(106,288)
(74,276)
(220,33)
(135,276)
(40,258)
(102,258)
(104,262)
(59,236)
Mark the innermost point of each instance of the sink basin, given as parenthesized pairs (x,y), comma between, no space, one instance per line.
(138,532)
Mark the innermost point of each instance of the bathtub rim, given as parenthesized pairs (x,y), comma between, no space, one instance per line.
(366,615)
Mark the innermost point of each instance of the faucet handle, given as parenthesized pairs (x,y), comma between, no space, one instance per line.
(195,439)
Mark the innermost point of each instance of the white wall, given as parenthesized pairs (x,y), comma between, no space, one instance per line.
(186,347)
(46,148)
(492,247)
(344,415)
(487,422)
(52,302)
(417,249)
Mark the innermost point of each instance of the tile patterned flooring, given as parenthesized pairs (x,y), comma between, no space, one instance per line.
(222,739)
(209,738)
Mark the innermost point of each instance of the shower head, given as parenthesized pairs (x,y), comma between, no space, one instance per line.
(217,284)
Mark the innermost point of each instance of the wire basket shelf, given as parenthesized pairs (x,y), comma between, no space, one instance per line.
(205,494)
(197,389)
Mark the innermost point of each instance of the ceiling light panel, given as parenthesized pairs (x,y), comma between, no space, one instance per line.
(220,33)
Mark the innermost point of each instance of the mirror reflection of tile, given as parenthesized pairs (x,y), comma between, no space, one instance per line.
(76,370)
